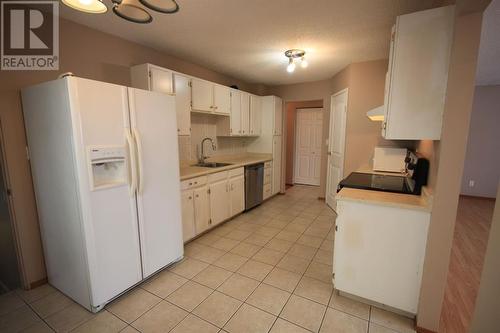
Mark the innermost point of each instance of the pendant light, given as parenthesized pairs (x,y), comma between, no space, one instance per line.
(162,6)
(131,11)
(87,6)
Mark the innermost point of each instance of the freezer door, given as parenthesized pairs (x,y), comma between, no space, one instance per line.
(154,127)
(100,113)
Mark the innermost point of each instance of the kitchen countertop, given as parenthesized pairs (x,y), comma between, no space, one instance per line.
(405,201)
(188,171)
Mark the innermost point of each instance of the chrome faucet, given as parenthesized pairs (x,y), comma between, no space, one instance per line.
(203,157)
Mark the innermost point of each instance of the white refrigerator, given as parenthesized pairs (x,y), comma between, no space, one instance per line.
(105,168)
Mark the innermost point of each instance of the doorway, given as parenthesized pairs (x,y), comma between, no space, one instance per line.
(9,270)
(336,145)
(308,137)
(290,124)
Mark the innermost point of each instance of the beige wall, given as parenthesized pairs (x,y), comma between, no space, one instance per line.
(451,155)
(290,114)
(487,311)
(366,91)
(482,161)
(87,53)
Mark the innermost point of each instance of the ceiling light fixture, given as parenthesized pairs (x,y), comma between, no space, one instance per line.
(87,6)
(130,10)
(291,66)
(303,62)
(294,54)
(159,5)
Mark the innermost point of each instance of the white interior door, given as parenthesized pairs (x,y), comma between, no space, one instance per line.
(152,117)
(336,145)
(309,125)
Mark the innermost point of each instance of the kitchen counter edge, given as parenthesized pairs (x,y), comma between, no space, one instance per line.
(421,202)
(189,172)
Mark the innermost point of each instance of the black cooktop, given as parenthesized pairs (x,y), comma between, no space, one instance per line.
(377,182)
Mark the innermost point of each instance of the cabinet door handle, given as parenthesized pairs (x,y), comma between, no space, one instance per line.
(197,196)
(190,184)
(195,183)
(190,198)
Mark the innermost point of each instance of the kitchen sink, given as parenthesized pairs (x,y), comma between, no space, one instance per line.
(212,164)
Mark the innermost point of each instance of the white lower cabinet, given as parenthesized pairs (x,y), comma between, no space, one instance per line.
(219,201)
(268,180)
(276,188)
(210,200)
(237,193)
(370,241)
(201,209)
(188,219)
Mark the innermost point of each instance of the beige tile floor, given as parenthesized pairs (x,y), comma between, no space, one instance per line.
(268,270)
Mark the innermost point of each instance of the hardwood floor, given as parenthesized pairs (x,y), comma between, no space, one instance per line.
(467,255)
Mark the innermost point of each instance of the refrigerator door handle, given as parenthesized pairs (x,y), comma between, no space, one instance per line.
(133,171)
(139,161)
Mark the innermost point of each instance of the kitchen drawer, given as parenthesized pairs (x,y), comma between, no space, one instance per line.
(217,176)
(236,172)
(267,191)
(193,182)
(267,176)
(268,164)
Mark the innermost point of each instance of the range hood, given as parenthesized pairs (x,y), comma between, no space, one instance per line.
(376,114)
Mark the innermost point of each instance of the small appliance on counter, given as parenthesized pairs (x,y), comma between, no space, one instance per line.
(417,171)
(389,159)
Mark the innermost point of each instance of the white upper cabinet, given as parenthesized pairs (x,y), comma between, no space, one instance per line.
(255,115)
(240,118)
(208,97)
(151,77)
(245,113)
(161,80)
(222,100)
(202,95)
(418,75)
(278,116)
(182,103)
(235,117)
(154,78)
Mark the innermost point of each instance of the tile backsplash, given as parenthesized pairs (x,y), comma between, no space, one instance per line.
(203,126)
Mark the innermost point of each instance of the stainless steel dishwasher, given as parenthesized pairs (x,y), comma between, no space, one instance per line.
(254,183)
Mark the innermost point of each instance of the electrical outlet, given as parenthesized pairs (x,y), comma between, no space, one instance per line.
(471,183)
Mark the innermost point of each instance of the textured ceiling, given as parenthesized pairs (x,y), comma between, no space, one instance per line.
(488,69)
(246,39)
